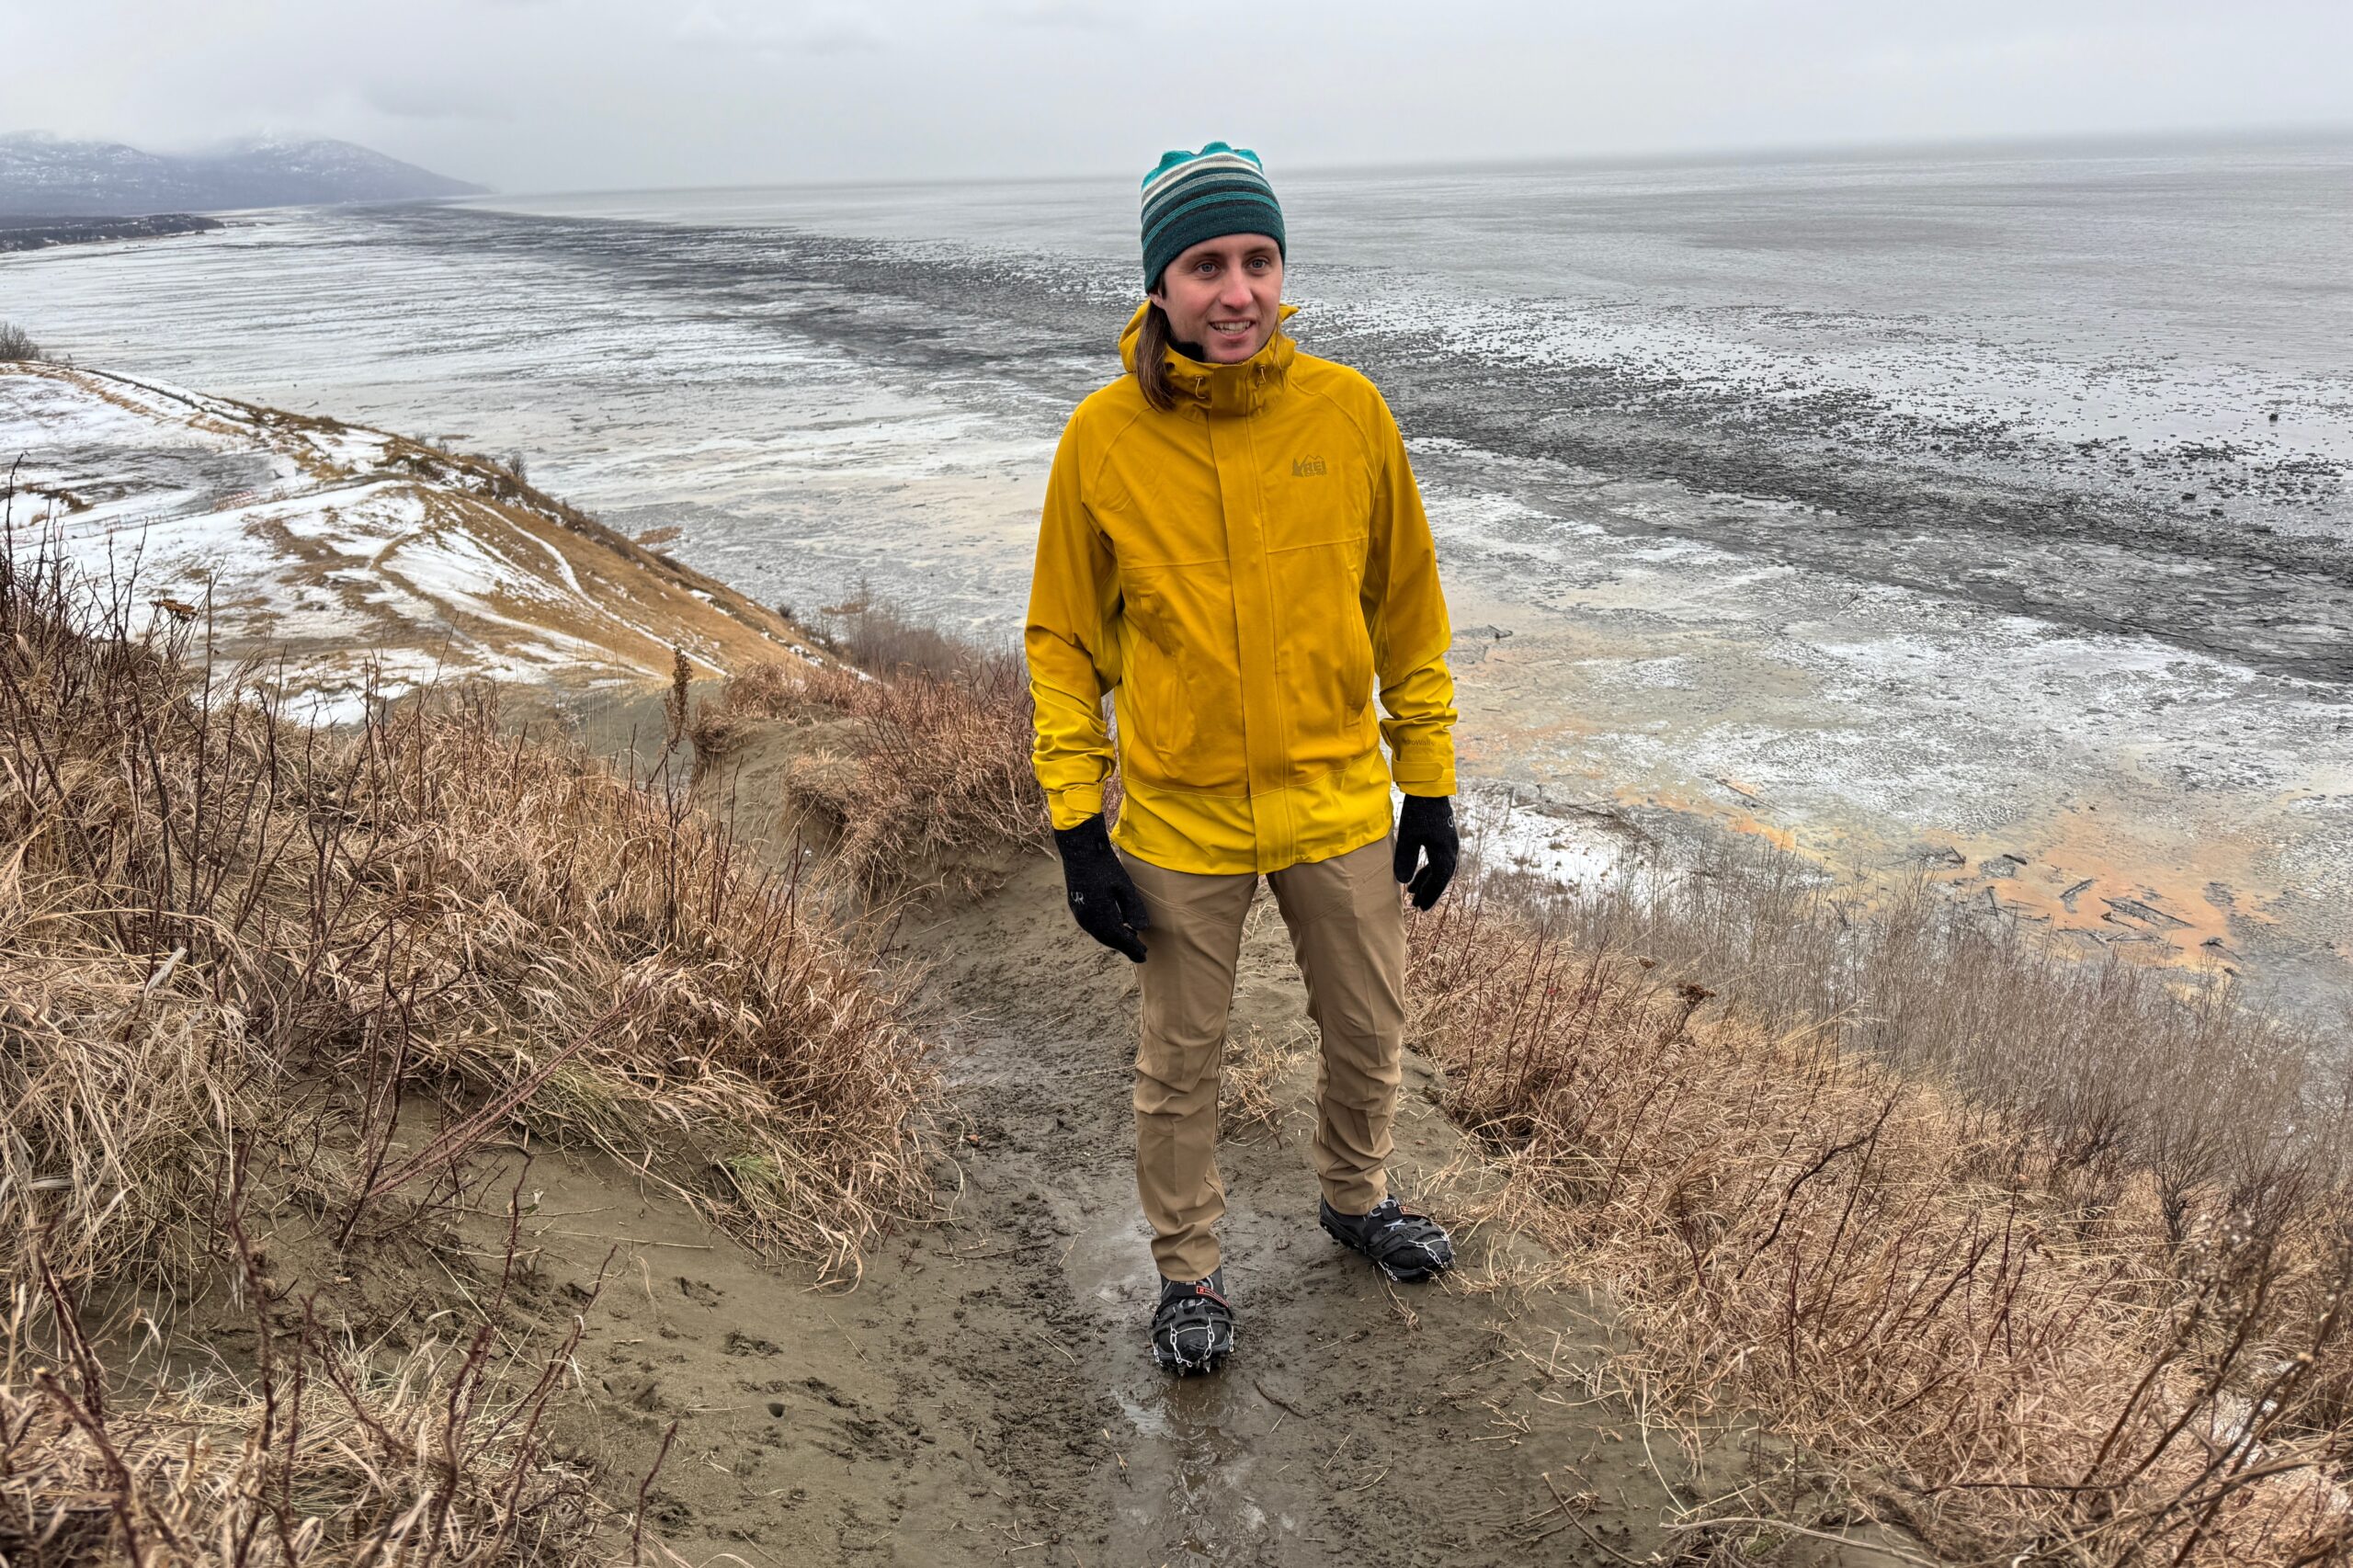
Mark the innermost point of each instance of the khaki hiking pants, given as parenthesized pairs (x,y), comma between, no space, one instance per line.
(1347,930)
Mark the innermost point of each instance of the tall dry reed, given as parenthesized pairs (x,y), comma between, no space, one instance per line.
(938,783)
(248,963)
(219,923)
(326,1450)
(2049,1259)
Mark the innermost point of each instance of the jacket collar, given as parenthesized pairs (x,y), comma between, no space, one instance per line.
(1242,388)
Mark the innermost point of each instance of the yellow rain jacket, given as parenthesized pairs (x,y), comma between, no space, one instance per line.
(1239,571)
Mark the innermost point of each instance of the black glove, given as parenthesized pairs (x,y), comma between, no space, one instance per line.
(1425,826)
(1103,897)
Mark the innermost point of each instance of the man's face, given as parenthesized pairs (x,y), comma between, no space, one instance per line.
(1225,294)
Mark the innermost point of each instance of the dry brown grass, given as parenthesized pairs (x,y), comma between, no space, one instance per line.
(427,904)
(327,1451)
(885,639)
(182,1480)
(242,962)
(938,780)
(2046,1258)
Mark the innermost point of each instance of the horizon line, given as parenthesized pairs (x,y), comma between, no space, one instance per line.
(2217,137)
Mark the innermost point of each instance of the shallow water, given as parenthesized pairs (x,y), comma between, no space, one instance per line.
(1871,503)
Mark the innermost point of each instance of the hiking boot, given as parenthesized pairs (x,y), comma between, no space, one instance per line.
(1402,1245)
(1192,1330)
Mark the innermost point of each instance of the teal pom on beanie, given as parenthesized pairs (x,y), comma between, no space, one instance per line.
(1193,197)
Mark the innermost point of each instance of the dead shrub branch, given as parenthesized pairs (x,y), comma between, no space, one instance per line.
(246,959)
(2050,1254)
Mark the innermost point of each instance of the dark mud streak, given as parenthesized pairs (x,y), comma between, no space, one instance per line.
(1966,509)
(2070,557)
(27,232)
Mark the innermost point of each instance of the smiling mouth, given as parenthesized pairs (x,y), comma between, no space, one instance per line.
(1231,328)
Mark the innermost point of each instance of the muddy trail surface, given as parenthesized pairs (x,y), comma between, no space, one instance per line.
(985,1394)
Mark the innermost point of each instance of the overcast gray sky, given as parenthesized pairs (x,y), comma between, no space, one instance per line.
(542,94)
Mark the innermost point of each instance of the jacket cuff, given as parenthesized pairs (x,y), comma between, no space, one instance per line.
(1068,808)
(1423,771)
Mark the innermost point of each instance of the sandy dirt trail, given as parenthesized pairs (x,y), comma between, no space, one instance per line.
(985,1394)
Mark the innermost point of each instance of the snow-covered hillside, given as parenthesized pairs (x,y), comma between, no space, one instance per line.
(54,177)
(339,545)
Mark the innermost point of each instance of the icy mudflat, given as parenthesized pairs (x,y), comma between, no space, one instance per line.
(1990,516)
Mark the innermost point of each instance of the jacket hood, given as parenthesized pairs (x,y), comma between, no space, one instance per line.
(1240,388)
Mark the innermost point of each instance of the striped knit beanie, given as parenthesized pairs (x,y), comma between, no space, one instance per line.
(1193,197)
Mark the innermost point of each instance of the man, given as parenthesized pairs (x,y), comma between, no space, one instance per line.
(1234,546)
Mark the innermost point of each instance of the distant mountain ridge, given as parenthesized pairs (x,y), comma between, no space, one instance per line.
(55,177)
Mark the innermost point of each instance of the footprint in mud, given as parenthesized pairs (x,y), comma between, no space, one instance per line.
(866,1438)
(637,1393)
(830,1394)
(1193,1474)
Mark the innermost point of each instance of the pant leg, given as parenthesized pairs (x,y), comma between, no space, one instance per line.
(1349,932)
(1191,950)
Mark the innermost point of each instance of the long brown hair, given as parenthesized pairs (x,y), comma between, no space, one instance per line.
(1152,358)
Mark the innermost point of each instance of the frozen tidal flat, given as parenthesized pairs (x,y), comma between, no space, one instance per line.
(2055,609)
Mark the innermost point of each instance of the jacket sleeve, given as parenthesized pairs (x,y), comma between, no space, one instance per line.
(1405,613)
(1070,644)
